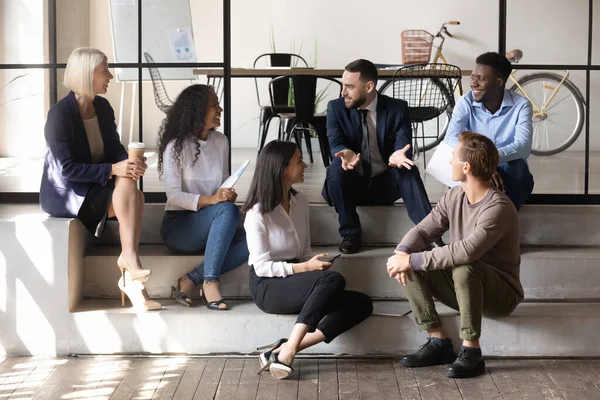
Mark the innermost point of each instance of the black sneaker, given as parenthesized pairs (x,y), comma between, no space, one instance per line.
(350,245)
(429,354)
(468,364)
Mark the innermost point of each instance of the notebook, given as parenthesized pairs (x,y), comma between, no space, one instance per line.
(230,182)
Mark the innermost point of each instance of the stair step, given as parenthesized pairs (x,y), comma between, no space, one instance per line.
(546,273)
(387,225)
(533,330)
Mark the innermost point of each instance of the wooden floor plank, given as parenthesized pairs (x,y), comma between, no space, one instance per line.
(66,379)
(230,379)
(308,379)
(435,385)
(171,379)
(570,380)
(328,382)
(288,388)
(386,379)
(112,379)
(35,380)
(91,373)
(591,369)
(190,379)
(248,386)
(135,371)
(481,387)
(53,381)
(14,372)
(236,378)
(500,370)
(267,386)
(347,380)
(531,380)
(148,386)
(367,380)
(407,383)
(209,382)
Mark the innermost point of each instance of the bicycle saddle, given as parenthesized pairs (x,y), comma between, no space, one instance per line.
(514,55)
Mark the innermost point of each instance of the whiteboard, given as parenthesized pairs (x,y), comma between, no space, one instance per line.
(167,36)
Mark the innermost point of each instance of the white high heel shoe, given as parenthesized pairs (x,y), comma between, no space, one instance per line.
(137,294)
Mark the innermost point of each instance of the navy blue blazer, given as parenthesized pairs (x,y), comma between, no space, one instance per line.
(68,169)
(394,131)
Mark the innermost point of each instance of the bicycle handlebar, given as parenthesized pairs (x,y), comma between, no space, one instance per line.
(444,30)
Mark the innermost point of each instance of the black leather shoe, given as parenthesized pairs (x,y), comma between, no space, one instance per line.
(349,245)
(468,364)
(430,354)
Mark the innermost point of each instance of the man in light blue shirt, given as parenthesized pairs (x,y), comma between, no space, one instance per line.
(504,117)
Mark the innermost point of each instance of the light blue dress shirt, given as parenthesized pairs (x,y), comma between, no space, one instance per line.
(510,128)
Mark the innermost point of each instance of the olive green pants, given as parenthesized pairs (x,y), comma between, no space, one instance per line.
(473,290)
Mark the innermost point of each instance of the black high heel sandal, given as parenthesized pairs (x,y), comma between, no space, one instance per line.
(266,355)
(213,305)
(180,297)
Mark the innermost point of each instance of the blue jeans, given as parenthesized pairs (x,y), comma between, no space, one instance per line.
(517,180)
(214,229)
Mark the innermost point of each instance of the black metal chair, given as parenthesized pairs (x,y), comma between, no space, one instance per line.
(304,119)
(161,98)
(281,91)
(429,90)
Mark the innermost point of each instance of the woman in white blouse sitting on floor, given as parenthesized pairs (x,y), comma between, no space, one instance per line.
(284,277)
(193,160)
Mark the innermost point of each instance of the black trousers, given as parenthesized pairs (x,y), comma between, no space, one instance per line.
(346,190)
(318,297)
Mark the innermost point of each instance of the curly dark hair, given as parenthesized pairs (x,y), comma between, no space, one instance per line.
(184,121)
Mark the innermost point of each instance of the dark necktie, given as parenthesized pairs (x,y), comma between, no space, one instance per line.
(366,153)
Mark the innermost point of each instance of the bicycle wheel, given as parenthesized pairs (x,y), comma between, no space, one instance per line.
(560,124)
(434,130)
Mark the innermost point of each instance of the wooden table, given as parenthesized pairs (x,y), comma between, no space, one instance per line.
(270,72)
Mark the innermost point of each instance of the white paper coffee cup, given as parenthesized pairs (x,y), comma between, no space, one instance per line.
(136,149)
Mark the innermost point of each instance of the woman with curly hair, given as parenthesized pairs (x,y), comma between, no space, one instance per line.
(193,160)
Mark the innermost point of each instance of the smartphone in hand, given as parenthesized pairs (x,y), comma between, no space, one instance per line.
(330,259)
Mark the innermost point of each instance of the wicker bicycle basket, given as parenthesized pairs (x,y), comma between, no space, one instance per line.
(416,46)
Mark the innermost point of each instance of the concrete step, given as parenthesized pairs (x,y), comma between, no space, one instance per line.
(387,225)
(534,330)
(546,273)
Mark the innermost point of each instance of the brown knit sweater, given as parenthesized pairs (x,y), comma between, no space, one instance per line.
(486,232)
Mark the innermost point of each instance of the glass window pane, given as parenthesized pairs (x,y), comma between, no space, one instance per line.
(23,32)
(559,130)
(548,31)
(23,108)
(73,26)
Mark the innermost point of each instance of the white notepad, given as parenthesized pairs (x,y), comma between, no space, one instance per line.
(439,165)
(230,182)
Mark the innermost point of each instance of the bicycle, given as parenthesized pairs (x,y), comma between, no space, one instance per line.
(556,124)
(550,134)
(416,49)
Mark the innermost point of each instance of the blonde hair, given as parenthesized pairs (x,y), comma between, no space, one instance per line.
(79,75)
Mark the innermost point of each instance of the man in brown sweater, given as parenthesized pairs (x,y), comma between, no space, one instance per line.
(476,274)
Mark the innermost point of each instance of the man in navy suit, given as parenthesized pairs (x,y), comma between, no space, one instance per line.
(370,137)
